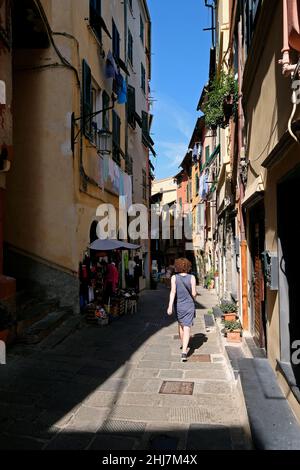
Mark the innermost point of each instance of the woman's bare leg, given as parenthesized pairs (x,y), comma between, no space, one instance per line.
(180,331)
(186,338)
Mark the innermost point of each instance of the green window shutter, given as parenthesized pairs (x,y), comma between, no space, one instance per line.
(105,115)
(143,78)
(131,105)
(115,41)
(142,29)
(116,137)
(197,185)
(95,17)
(130,47)
(207,153)
(145,125)
(87,103)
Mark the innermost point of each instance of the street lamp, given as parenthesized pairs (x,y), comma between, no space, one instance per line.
(103,136)
(104,141)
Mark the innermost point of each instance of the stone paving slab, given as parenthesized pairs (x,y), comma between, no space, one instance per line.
(144,385)
(140,413)
(87,419)
(99,388)
(145,373)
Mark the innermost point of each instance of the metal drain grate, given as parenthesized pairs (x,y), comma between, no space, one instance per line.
(177,388)
(200,358)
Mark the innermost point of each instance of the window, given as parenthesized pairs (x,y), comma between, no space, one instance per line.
(115,41)
(144,185)
(207,153)
(130,47)
(142,29)
(197,185)
(252,8)
(105,114)
(116,138)
(87,98)
(95,18)
(131,105)
(129,165)
(95,120)
(180,202)
(143,78)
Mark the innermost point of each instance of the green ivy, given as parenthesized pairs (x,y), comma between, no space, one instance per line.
(222,87)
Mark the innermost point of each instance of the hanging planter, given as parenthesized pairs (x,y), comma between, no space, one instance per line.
(221,102)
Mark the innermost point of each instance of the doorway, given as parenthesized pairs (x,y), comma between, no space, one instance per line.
(289,262)
(257,246)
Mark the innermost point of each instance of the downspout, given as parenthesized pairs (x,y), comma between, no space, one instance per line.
(244,266)
(212,7)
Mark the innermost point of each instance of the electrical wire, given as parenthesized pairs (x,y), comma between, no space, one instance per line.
(294,101)
(64,61)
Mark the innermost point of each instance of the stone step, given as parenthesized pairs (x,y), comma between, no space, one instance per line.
(69,326)
(32,312)
(41,329)
(272,422)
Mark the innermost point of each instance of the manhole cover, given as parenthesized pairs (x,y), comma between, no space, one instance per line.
(200,358)
(177,388)
(163,443)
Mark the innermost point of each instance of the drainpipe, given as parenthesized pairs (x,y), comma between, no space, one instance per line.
(212,7)
(244,270)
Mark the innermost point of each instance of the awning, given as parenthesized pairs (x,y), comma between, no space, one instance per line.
(109,245)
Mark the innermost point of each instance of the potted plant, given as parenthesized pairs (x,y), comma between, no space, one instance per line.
(233,330)
(229,310)
(222,101)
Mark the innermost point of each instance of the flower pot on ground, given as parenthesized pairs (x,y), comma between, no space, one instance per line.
(229,310)
(229,316)
(233,331)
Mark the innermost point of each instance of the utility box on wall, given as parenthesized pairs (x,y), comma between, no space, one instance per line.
(271,269)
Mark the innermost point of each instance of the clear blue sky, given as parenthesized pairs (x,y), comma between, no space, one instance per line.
(180,63)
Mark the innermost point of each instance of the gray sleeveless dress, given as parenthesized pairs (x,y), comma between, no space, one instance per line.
(184,304)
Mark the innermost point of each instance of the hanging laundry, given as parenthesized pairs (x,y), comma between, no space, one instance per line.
(122,95)
(201,188)
(111,170)
(195,153)
(199,154)
(105,168)
(122,174)
(116,179)
(111,69)
(206,179)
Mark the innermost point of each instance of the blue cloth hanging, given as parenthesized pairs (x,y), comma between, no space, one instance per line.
(122,95)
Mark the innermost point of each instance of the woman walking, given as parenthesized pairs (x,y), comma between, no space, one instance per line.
(182,298)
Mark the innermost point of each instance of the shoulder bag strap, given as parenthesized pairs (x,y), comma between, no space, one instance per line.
(186,288)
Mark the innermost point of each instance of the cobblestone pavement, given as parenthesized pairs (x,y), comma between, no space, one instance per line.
(100,388)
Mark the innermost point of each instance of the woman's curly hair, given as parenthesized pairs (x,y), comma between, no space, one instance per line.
(182,265)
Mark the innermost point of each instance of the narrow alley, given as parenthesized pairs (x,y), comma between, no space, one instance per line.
(123,387)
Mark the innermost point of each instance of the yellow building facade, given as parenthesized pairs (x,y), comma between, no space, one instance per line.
(73,65)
